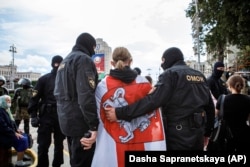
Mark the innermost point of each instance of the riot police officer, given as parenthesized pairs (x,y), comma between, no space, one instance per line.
(75,94)
(20,100)
(46,119)
(186,102)
(3,90)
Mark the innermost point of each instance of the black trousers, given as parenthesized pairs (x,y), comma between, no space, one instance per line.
(78,156)
(49,126)
(184,138)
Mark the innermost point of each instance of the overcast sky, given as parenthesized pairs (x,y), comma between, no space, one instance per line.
(40,29)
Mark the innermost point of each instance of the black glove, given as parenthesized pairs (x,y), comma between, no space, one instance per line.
(35,122)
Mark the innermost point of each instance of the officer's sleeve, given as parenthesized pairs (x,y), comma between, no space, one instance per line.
(161,94)
(86,81)
(211,86)
(210,114)
(34,100)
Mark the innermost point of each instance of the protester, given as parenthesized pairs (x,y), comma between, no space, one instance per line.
(10,136)
(75,86)
(3,90)
(215,83)
(20,100)
(185,99)
(116,90)
(43,100)
(237,113)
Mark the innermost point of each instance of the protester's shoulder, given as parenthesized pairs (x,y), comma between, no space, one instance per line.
(102,81)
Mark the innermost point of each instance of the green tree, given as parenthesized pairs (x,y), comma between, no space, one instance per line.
(222,23)
(244,59)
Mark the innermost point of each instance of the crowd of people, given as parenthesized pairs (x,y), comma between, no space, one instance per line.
(124,111)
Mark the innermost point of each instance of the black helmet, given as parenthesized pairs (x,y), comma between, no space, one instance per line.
(25,82)
(2,78)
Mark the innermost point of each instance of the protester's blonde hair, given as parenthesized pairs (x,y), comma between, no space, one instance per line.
(121,55)
(237,82)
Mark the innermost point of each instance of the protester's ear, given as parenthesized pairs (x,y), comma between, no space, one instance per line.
(112,63)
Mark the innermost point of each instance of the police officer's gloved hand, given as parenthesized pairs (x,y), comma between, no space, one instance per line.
(35,122)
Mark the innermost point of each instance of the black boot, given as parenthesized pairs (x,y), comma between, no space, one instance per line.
(27,126)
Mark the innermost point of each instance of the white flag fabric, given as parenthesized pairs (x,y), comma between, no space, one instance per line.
(114,138)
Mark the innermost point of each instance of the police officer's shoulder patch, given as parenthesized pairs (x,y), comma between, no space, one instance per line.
(34,93)
(91,82)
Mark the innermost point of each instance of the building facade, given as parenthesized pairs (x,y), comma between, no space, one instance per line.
(105,51)
(10,73)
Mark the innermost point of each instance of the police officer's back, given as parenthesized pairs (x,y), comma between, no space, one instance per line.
(75,93)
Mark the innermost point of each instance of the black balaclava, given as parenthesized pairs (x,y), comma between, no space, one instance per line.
(218,73)
(137,70)
(171,55)
(86,43)
(56,59)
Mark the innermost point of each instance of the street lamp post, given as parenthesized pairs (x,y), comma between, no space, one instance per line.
(197,22)
(13,51)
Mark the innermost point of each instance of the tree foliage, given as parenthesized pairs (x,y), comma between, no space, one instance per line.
(222,23)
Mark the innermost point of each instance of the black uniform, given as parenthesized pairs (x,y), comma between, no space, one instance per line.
(185,99)
(44,101)
(215,83)
(75,94)
(3,91)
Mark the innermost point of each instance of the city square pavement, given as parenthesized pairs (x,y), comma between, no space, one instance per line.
(33,132)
